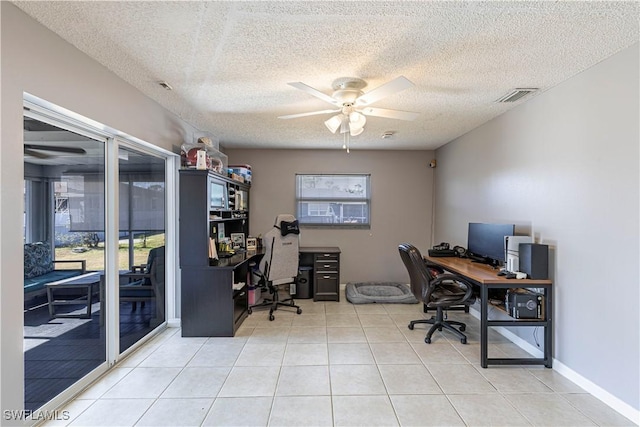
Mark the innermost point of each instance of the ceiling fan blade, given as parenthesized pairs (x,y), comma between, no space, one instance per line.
(396,85)
(313,92)
(36,154)
(312,113)
(389,114)
(70,150)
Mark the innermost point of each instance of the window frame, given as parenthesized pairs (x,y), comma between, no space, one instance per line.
(318,201)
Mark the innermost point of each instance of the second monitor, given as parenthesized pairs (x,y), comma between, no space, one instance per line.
(485,242)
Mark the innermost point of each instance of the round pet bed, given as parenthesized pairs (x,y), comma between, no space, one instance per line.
(380,292)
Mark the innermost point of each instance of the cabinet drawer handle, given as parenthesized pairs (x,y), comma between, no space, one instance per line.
(326,277)
(327,265)
(241,294)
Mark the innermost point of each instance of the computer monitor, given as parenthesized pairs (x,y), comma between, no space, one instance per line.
(485,242)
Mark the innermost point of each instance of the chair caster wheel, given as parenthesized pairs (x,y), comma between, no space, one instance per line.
(410,326)
(271,317)
(463,328)
(299,311)
(249,311)
(463,340)
(427,340)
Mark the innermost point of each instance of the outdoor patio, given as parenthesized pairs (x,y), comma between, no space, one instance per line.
(59,351)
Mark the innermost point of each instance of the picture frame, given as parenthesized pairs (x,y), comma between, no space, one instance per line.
(252,243)
(220,232)
(237,241)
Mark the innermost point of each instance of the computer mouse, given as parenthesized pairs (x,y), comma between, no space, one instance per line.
(510,276)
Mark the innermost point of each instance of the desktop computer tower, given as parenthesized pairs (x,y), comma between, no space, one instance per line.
(304,283)
(521,304)
(534,260)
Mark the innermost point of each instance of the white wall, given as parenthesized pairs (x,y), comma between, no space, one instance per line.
(36,61)
(401,202)
(565,166)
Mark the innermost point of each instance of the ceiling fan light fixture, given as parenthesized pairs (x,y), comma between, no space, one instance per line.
(344,127)
(334,123)
(347,95)
(356,122)
(356,132)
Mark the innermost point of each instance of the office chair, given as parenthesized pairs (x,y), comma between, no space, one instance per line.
(439,291)
(279,265)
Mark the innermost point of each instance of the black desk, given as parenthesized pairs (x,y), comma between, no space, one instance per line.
(210,306)
(485,277)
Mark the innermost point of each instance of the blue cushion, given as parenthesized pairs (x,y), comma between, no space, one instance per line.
(39,282)
(37,259)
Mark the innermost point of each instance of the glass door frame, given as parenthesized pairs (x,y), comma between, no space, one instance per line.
(47,112)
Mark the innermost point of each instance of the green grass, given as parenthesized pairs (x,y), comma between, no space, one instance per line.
(95,256)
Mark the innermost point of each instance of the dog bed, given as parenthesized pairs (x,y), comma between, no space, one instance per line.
(379,292)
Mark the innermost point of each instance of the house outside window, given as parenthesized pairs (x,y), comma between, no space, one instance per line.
(336,200)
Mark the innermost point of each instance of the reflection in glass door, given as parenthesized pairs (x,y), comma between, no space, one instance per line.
(142,194)
(64,258)
(78,259)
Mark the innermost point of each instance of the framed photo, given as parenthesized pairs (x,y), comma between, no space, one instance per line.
(252,243)
(237,240)
(220,232)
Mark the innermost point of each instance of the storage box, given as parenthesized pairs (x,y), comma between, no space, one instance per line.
(216,160)
(242,170)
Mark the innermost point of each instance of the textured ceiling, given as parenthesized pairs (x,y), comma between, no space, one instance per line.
(229,62)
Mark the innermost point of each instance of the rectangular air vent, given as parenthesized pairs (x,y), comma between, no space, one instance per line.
(516,94)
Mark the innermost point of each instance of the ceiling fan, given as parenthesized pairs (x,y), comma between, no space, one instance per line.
(353,104)
(40,151)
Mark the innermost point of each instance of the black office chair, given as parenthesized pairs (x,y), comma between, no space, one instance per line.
(279,265)
(439,291)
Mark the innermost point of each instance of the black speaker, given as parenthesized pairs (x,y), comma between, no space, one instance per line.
(534,260)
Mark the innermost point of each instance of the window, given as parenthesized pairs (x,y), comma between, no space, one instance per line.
(333,200)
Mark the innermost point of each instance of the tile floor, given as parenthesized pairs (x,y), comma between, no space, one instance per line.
(336,364)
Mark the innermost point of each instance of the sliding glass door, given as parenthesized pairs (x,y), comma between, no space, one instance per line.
(64,331)
(94,250)
(142,195)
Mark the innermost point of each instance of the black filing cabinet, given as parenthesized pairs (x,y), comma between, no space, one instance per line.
(326,271)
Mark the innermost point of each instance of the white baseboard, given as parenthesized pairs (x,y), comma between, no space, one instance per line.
(598,392)
(173,323)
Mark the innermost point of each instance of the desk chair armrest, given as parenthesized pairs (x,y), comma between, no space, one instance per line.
(442,280)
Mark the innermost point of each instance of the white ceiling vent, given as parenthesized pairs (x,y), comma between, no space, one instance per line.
(516,94)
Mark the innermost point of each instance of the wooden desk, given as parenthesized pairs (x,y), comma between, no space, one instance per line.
(485,277)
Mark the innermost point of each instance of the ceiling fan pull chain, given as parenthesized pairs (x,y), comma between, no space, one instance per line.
(347,139)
